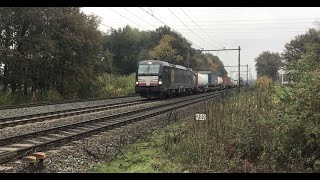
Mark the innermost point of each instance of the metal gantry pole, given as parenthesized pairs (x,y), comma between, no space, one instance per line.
(247,74)
(239,69)
(224,49)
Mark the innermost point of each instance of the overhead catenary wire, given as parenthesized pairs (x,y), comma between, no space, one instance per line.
(255,28)
(154,16)
(140,18)
(106,25)
(103,23)
(257,32)
(236,23)
(228,53)
(127,18)
(239,20)
(199,27)
(188,27)
(163,23)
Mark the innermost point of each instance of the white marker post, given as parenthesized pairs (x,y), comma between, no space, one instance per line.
(198,119)
(201,117)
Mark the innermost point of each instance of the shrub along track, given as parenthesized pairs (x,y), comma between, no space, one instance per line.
(21,145)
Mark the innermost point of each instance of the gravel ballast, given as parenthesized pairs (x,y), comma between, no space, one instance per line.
(37,126)
(80,156)
(58,107)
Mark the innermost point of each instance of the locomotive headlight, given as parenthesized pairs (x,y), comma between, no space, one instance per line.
(160,82)
(137,82)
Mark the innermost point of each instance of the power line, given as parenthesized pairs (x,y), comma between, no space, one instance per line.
(154,16)
(255,24)
(188,27)
(228,52)
(127,18)
(106,25)
(163,23)
(103,24)
(140,18)
(235,20)
(199,26)
(256,28)
(259,32)
(233,24)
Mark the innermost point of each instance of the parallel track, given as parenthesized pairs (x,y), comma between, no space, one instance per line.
(13,121)
(21,145)
(60,102)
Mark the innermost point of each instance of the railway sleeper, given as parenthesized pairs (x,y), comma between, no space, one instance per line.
(111,125)
(76,131)
(67,133)
(33,141)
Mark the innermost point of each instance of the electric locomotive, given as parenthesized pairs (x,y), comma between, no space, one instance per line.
(156,78)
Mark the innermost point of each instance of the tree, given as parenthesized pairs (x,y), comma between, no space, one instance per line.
(267,64)
(128,46)
(165,51)
(209,62)
(49,48)
(181,44)
(296,47)
(303,105)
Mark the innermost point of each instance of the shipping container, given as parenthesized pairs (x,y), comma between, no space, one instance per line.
(202,80)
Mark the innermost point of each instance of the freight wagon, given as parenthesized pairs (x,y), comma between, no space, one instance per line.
(214,81)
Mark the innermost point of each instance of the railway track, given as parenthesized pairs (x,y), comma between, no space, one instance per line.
(21,145)
(13,121)
(60,102)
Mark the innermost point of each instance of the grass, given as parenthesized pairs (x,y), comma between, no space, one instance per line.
(108,85)
(144,156)
(247,132)
(281,92)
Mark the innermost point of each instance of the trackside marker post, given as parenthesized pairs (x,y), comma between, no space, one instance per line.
(201,117)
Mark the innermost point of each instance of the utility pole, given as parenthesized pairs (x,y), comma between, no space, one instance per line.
(247,74)
(188,57)
(239,69)
(224,49)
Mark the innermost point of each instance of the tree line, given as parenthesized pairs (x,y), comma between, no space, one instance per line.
(300,102)
(268,63)
(60,49)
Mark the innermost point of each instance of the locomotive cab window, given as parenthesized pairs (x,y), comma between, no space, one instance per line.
(149,69)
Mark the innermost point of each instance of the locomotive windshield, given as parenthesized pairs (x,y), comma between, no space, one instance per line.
(149,69)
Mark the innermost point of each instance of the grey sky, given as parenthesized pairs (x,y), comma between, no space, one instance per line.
(255,29)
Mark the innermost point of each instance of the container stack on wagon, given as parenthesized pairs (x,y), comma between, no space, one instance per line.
(156,78)
(214,81)
(201,82)
(229,82)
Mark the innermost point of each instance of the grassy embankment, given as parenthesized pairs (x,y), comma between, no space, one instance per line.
(248,132)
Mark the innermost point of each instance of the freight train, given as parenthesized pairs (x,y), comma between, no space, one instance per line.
(156,78)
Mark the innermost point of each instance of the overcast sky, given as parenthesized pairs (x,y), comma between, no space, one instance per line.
(254,29)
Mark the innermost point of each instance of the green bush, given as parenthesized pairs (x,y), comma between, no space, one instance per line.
(6,98)
(111,85)
(108,85)
(53,96)
(254,131)
(263,82)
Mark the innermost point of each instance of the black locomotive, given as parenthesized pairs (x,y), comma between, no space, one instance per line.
(156,78)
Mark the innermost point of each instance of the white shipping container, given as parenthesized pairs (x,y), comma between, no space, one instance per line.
(202,80)
(220,80)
